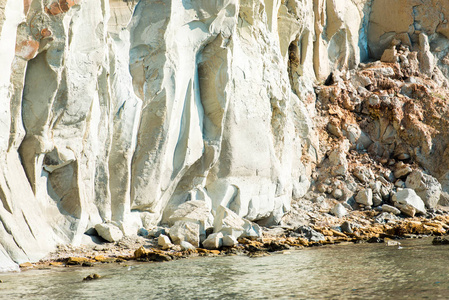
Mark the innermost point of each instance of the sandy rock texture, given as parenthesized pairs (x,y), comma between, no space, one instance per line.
(119,113)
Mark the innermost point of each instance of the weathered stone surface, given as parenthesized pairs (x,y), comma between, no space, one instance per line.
(425,186)
(363,174)
(390,209)
(192,211)
(365,197)
(229,223)
(185,231)
(157,231)
(213,241)
(389,55)
(109,232)
(339,210)
(187,246)
(229,241)
(87,135)
(408,202)
(164,241)
(402,170)
(311,234)
(444,199)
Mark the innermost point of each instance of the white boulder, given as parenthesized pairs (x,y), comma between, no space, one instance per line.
(195,211)
(229,223)
(229,241)
(390,209)
(213,241)
(185,231)
(426,186)
(187,246)
(109,232)
(164,241)
(408,202)
(339,210)
(365,197)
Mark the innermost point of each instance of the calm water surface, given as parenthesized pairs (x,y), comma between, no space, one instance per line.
(366,271)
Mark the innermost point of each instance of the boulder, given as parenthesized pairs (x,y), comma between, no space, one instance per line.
(213,241)
(406,209)
(444,199)
(399,183)
(229,241)
(186,246)
(338,161)
(109,232)
(229,223)
(390,55)
(193,211)
(311,234)
(373,100)
(346,227)
(386,217)
(440,241)
(301,187)
(164,242)
(337,193)
(377,200)
(363,174)
(157,231)
(142,232)
(385,71)
(339,210)
(426,58)
(425,186)
(376,186)
(185,231)
(402,170)
(365,197)
(408,202)
(390,209)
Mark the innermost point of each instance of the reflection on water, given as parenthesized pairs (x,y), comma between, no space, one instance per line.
(417,270)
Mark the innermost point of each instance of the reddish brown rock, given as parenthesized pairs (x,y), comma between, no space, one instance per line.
(27,49)
(26,6)
(54,9)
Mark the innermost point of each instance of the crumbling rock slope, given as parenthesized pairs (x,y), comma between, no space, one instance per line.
(115,114)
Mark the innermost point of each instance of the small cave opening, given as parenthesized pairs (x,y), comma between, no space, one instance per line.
(294,60)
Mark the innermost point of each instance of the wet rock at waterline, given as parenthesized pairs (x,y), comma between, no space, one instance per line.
(93,276)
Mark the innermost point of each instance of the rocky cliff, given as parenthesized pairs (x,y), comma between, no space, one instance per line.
(195,112)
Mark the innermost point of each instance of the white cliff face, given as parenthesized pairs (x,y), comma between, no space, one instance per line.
(115,113)
(215,124)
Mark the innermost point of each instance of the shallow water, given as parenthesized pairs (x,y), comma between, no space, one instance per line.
(370,271)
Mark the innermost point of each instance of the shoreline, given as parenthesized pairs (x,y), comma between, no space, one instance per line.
(279,238)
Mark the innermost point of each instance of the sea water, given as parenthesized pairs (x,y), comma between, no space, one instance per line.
(416,269)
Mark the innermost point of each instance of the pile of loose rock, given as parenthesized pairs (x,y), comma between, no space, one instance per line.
(383,137)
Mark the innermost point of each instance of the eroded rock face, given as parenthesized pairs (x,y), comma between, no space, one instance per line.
(72,115)
(123,114)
